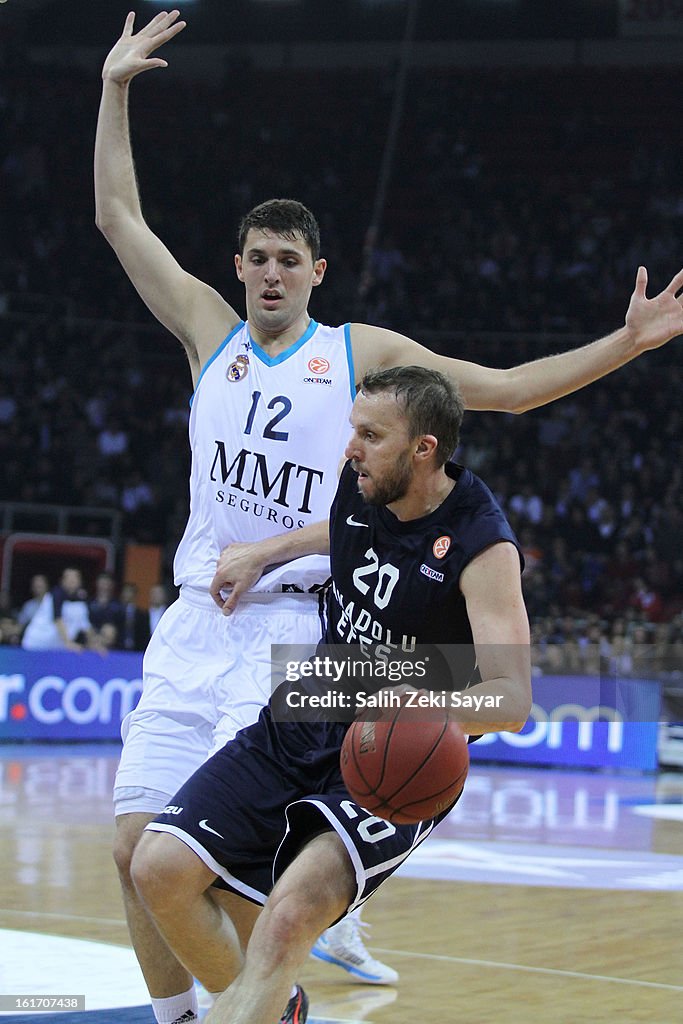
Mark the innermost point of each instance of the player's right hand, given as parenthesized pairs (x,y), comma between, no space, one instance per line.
(131,54)
(239,567)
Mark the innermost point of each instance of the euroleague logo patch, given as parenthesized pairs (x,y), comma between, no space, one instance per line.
(318,365)
(441,546)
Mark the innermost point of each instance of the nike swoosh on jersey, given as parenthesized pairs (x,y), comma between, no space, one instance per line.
(354,522)
(207,828)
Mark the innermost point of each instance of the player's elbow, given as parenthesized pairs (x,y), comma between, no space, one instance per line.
(104,214)
(512,726)
(497,391)
(520,715)
(113,219)
(106,222)
(515,398)
(514,392)
(518,707)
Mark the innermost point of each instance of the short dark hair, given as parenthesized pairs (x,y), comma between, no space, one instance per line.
(431,402)
(286,217)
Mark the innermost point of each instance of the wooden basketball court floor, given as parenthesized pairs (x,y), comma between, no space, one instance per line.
(547,895)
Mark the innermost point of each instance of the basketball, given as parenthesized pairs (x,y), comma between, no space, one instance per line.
(405,764)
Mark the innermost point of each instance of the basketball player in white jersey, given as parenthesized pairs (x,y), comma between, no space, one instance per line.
(267,428)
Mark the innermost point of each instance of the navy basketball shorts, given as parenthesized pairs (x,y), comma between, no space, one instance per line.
(251,807)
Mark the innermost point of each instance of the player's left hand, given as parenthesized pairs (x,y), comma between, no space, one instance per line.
(239,567)
(653,322)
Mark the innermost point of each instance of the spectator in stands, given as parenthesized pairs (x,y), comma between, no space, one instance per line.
(646,600)
(135,631)
(527,504)
(584,479)
(40,585)
(104,609)
(62,620)
(579,532)
(594,649)
(10,630)
(106,639)
(644,651)
(620,661)
(136,493)
(112,441)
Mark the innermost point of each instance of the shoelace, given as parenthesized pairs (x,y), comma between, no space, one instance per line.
(356,931)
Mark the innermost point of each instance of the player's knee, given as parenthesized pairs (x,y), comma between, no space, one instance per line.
(296,917)
(129,828)
(161,873)
(125,841)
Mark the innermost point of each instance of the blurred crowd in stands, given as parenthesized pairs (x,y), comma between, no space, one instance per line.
(519,207)
(65,617)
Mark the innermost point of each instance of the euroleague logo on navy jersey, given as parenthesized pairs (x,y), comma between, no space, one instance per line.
(319,366)
(439,550)
(441,546)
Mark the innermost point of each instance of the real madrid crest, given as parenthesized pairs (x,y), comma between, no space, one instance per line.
(238,369)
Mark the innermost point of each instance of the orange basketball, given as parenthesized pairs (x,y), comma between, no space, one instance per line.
(405,765)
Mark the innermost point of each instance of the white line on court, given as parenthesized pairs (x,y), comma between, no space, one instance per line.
(60,917)
(532,970)
(558,972)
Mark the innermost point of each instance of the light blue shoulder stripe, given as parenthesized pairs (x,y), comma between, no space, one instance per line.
(218,351)
(274,360)
(349,360)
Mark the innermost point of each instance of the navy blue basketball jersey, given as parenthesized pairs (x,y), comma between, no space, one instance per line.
(397,584)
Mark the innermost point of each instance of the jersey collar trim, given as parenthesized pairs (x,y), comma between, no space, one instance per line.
(288,352)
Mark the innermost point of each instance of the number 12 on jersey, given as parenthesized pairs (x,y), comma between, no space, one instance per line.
(285,408)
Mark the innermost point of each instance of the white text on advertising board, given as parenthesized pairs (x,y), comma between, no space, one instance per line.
(548,727)
(53,699)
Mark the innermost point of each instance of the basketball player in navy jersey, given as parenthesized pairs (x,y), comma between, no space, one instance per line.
(272,396)
(421,553)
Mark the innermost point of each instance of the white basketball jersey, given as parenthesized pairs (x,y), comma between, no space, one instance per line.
(266,435)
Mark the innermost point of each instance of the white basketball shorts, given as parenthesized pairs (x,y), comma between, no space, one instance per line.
(205,677)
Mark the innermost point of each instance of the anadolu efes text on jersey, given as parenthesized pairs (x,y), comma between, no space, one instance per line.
(266,442)
(397,584)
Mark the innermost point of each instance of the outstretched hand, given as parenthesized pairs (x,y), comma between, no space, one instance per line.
(655,321)
(131,54)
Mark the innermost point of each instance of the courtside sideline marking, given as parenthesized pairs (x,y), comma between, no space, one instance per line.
(665,812)
(406,953)
(531,970)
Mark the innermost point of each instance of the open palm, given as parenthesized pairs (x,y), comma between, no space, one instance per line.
(131,53)
(655,321)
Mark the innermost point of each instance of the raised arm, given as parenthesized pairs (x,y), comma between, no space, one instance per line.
(650,323)
(190,309)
